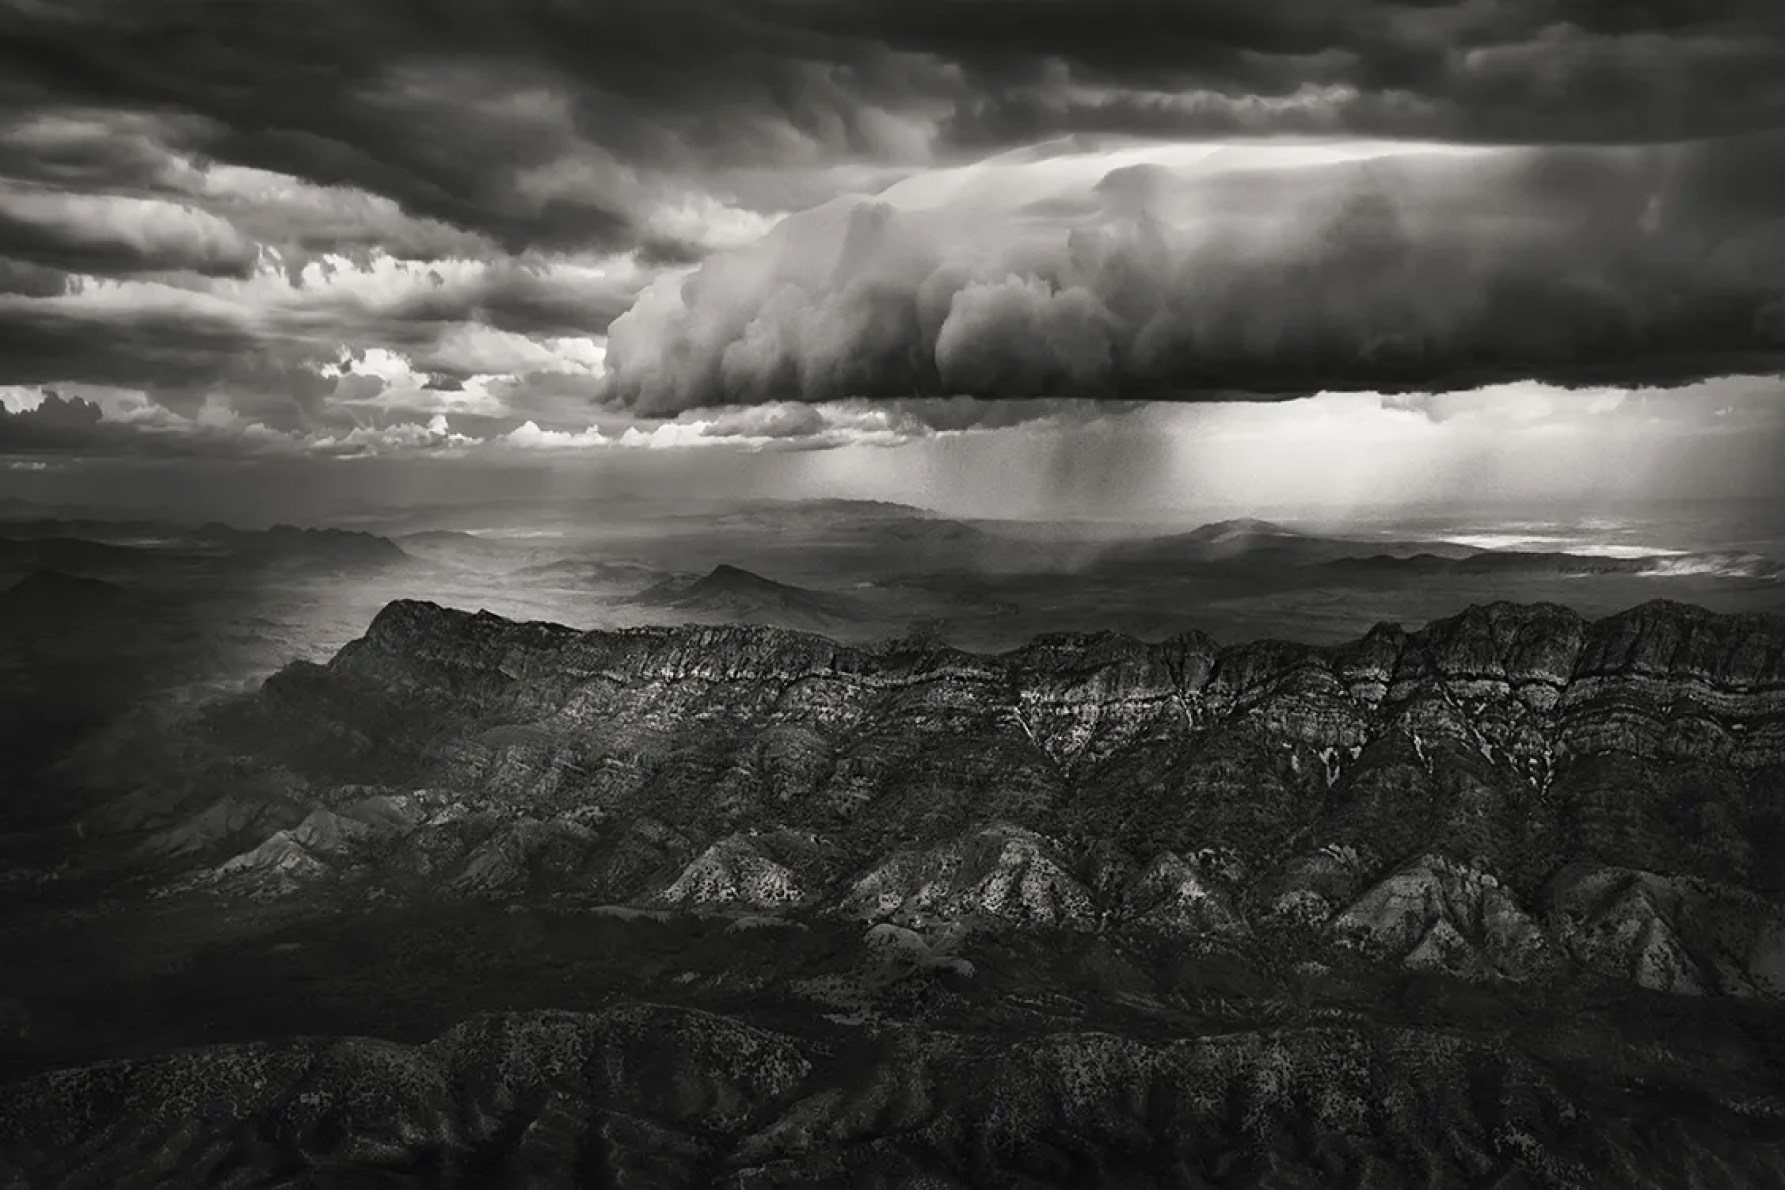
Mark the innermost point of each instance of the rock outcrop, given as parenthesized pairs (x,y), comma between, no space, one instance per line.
(734,873)
(1437,915)
(1002,875)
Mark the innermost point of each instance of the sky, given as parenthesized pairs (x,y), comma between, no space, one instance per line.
(1054,258)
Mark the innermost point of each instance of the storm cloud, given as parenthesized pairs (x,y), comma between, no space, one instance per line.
(538,211)
(1149,272)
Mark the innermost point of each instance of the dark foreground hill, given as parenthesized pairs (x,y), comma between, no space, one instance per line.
(651,1096)
(1496,902)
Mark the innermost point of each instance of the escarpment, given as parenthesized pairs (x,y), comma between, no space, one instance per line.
(1466,768)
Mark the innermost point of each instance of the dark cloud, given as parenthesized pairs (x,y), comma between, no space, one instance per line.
(166,352)
(519,299)
(664,250)
(57,423)
(264,349)
(198,142)
(72,427)
(973,413)
(107,235)
(380,98)
(551,124)
(23,279)
(182,359)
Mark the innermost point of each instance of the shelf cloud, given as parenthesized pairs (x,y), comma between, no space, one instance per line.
(1245,270)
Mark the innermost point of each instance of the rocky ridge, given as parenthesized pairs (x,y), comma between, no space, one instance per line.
(1463,798)
(1486,903)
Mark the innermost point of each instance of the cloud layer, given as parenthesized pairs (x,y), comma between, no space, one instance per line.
(1166,272)
(347,222)
(110,424)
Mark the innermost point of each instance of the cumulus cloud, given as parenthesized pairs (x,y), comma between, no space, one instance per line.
(86,337)
(119,422)
(46,421)
(1210,271)
(529,436)
(466,328)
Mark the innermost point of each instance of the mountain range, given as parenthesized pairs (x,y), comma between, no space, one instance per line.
(1492,901)
(1516,742)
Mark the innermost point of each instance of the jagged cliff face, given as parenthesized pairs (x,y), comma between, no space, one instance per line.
(1460,797)
(1512,799)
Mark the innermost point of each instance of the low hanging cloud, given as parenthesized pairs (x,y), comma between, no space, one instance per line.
(1200,272)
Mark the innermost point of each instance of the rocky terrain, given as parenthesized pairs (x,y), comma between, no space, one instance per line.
(652,1096)
(1495,901)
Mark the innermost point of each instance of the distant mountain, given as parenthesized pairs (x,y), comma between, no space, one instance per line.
(92,529)
(1247,544)
(451,547)
(445,537)
(834,506)
(1240,529)
(1241,539)
(349,548)
(883,537)
(601,572)
(734,595)
(52,596)
(125,547)
(71,554)
(1715,564)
